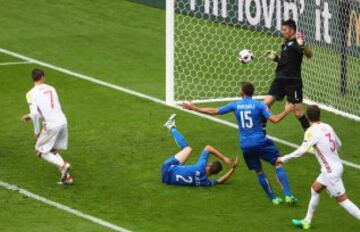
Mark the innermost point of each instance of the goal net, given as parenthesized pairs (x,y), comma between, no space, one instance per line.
(204,37)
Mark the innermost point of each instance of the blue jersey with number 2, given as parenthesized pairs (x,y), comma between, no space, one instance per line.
(249,114)
(191,175)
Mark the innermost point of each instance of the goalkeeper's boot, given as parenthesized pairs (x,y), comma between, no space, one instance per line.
(170,123)
(291,200)
(64,171)
(301,224)
(277,201)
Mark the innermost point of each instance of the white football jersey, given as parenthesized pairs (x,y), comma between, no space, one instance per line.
(326,144)
(44,103)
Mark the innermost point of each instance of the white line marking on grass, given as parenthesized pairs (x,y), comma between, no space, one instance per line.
(144,96)
(63,207)
(14,63)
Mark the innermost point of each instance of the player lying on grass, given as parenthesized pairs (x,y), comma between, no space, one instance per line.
(44,105)
(323,139)
(176,173)
(255,145)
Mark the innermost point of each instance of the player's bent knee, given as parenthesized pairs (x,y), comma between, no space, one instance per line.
(259,171)
(341,198)
(188,149)
(269,100)
(317,187)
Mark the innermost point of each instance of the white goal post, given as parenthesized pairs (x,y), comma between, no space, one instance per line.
(203,38)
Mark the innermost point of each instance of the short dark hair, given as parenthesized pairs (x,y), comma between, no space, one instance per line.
(36,74)
(215,167)
(313,113)
(290,23)
(247,88)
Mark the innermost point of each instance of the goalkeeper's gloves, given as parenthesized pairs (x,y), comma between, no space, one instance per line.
(300,38)
(271,55)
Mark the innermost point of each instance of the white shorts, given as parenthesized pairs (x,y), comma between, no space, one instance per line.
(54,138)
(333,183)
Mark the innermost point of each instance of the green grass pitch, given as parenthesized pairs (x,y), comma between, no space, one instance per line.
(117,142)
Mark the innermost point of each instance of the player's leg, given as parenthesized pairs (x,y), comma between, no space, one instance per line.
(269,100)
(253,163)
(316,189)
(45,144)
(185,150)
(61,143)
(304,121)
(294,93)
(282,178)
(270,154)
(276,93)
(335,188)
(348,205)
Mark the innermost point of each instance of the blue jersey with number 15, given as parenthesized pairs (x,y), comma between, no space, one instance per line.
(249,114)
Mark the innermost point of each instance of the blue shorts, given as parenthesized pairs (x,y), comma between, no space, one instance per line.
(172,161)
(267,152)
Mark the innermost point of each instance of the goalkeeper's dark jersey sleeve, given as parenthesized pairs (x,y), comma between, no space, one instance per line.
(289,63)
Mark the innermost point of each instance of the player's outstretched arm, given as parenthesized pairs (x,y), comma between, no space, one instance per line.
(226,177)
(191,106)
(295,154)
(218,154)
(278,117)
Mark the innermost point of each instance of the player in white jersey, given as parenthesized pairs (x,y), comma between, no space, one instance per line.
(45,106)
(322,138)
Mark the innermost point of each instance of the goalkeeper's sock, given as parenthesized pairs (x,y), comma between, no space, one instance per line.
(266,185)
(54,159)
(351,208)
(304,122)
(179,138)
(313,204)
(283,180)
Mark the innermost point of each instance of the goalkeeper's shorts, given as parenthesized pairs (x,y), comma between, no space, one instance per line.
(291,88)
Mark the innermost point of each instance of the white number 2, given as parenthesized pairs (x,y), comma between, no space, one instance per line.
(180,177)
(246,120)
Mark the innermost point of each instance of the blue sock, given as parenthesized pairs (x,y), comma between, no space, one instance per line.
(282,176)
(179,139)
(266,186)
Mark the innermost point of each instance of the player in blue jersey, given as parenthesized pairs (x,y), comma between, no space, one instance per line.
(255,145)
(176,173)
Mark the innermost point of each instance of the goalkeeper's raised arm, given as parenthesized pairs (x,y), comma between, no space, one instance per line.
(288,80)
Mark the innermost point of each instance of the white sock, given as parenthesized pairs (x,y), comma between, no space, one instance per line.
(314,202)
(55,159)
(351,208)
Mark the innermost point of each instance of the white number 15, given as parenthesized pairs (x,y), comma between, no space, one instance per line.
(246,119)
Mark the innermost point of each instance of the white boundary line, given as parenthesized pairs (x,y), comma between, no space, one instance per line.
(14,63)
(150,98)
(62,207)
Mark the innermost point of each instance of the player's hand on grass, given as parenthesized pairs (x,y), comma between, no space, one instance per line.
(188,105)
(235,163)
(25,118)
